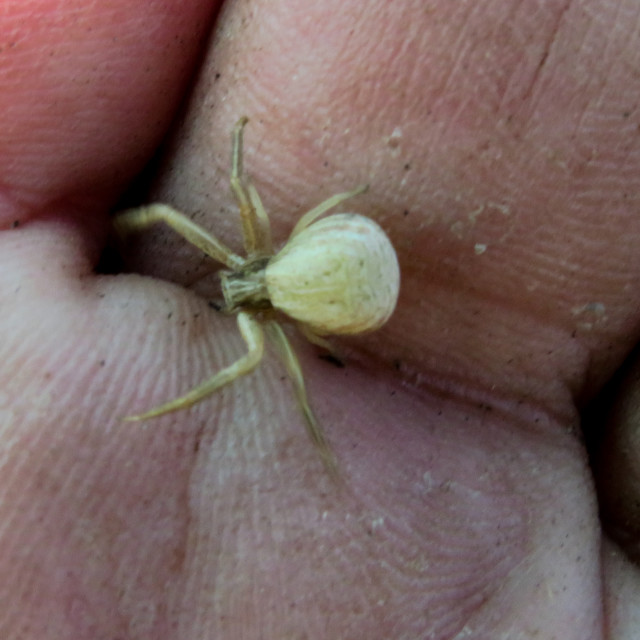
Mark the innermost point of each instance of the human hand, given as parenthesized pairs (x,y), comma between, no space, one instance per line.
(502,149)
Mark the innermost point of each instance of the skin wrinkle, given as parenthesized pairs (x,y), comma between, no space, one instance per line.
(554,36)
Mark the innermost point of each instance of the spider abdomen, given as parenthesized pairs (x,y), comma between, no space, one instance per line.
(339,275)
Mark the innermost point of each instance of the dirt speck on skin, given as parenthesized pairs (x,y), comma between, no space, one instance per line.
(393,141)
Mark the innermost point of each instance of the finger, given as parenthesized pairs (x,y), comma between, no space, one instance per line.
(505,182)
(88,90)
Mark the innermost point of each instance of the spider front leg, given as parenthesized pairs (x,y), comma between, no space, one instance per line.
(253,336)
(256,231)
(141,218)
(328,204)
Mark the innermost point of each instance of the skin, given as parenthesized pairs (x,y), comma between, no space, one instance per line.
(502,145)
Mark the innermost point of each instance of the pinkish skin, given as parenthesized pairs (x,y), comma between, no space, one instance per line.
(501,143)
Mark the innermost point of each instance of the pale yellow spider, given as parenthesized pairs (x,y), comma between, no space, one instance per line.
(338,275)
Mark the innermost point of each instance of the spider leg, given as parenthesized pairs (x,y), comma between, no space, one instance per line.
(253,335)
(265,244)
(255,223)
(323,207)
(292,364)
(320,341)
(133,220)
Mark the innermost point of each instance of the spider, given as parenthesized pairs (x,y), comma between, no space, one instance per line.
(338,275)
